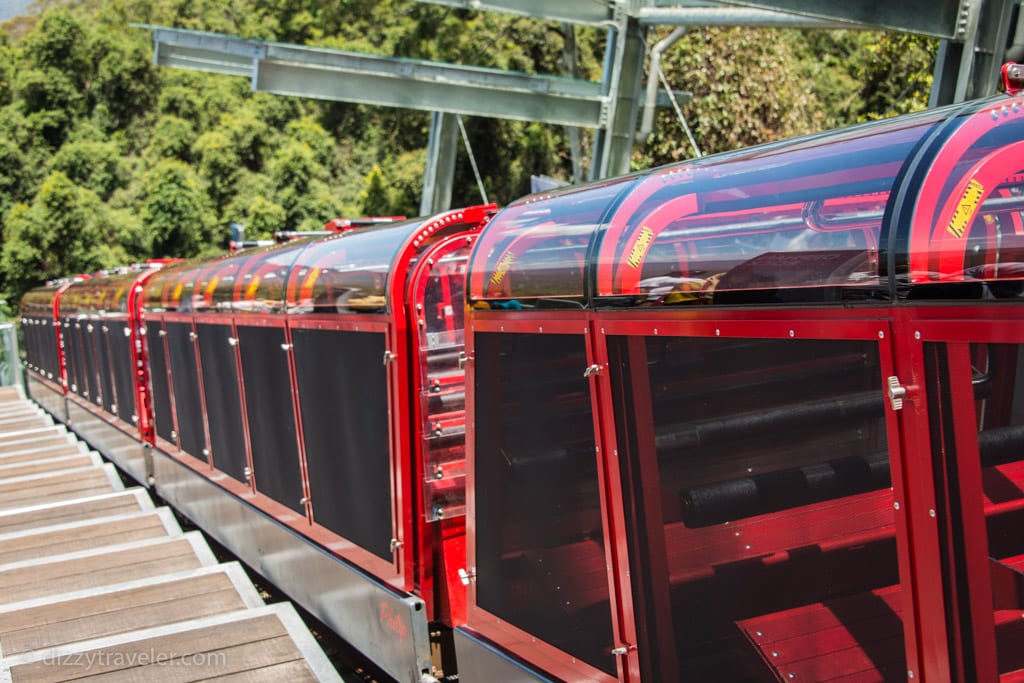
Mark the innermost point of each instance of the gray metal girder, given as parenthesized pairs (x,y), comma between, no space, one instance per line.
(572,11)
(929,17)
(384,81)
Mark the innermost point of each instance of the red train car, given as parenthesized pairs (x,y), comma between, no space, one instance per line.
(756,417)
(750,418)
(92,373)
(308,408)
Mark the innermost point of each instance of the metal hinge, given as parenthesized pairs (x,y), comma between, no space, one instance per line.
(247,473)
(897,392)
(395,545)
(464,360)
(594,369)
(193,336)
(389,357)
(467,576)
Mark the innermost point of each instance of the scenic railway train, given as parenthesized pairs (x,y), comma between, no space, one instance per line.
(752,417)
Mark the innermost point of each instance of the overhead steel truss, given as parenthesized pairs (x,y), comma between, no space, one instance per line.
(975,34)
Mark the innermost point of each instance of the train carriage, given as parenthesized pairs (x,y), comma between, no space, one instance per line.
(95,374)
(309,406)
(756,417)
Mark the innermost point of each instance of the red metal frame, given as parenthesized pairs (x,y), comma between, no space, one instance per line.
(761,324)
(450,534)
(957,328)
(422,245)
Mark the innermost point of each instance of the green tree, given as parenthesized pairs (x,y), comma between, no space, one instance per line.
(65,230)
(175,211)
(95,165)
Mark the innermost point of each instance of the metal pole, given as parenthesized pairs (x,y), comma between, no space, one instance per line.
(439,175)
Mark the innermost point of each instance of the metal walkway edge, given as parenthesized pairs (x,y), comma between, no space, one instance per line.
(95,582)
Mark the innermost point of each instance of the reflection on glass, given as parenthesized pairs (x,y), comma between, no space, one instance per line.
(758,500)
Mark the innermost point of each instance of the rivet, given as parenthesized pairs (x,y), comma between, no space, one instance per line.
(931,513)
(896,505)
(881,334)
(917,334)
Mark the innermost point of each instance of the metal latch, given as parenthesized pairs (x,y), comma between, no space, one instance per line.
(897,392)
(389,358)
(193,336)
(233,341)
(464,359)
(466,576)
(594,369)
(287,347)
(395,545)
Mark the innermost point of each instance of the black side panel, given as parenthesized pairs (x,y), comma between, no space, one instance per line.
(268,401)
(103,367)
(158,381)
(89,354)
(343,396)
(76,359)
(185,379)
(121,357)
(223,402)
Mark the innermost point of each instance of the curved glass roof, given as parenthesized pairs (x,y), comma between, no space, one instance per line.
(857,212)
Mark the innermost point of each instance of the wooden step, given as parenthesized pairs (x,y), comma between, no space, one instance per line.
(85,535)
(264,644)
(18,492)
(122,608)
(76,509)
(103,567)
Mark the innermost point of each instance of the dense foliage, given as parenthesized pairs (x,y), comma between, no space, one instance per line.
(106,159)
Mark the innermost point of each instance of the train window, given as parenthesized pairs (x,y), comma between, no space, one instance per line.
(271,417)
(758,503)
(344,405)
(538,247)
(346,273)
(776,219)
(997,389)
(261,279)
(185,382)
(223,399)
(540,553)
(162,412)
(1000,411)
(443,393)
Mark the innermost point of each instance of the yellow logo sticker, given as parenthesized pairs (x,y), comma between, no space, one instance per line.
(640,247)
(965,210)
(502,268)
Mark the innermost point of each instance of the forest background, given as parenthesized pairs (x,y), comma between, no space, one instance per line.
(106,159)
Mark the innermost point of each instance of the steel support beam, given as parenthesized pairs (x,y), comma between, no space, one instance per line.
(968,67)
(571,11)
(939,18)
(734,16)
(439,175)
(383,81)
(613,144)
